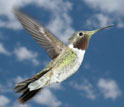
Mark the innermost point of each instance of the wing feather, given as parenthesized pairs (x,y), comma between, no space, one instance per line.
(46,39)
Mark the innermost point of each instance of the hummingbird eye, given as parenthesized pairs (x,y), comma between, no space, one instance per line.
(81,34)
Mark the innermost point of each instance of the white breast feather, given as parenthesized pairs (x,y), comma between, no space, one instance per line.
(68,72)
(80,53)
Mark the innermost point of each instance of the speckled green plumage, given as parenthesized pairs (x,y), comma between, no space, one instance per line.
(67,58)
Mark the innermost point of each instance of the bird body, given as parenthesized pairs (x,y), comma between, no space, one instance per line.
(66,64)
(66,59)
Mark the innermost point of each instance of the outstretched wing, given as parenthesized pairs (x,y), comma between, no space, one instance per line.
(46,39)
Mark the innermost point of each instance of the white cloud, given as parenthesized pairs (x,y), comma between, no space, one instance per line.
(109,88)
(18,79)
(46,97)
(56,86)
(8,88)
(22,53)
(99,20)
(3,50)
(108,11)
(110,6)
(60,24)
(120,23)
(6,7)
(4,101)
(85,87)
(11,24)
(20,105)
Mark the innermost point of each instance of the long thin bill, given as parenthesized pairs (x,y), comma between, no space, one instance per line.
(104,27)
(90,33)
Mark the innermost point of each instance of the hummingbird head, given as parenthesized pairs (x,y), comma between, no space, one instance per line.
(80,39)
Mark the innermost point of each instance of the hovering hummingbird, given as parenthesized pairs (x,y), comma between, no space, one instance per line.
(66,59)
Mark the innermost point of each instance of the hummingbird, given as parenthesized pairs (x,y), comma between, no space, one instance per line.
(66,59)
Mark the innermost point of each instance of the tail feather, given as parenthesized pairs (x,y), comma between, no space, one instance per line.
(28,95)
(22,87)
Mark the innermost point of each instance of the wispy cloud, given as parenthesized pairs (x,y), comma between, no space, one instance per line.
(108,11)
(6,9)
(22,53)
(109,88)
(56,86)
(107,6)
(11,24)
(99,20)
(46,97)
(20,105)
(4,101)
(87,66)
(8,87)
(86,89)
(18,79)
(3,50)
(5,88)
(106,87)
(60,22)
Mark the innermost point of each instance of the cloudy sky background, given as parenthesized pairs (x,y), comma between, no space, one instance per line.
(98,83)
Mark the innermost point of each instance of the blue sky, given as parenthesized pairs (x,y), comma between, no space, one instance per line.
(99,81)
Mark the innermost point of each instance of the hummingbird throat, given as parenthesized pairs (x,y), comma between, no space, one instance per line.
(81,44)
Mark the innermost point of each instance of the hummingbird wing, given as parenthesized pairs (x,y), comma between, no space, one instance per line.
(46,39)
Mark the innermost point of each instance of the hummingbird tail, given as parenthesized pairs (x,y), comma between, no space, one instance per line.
(22,87)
